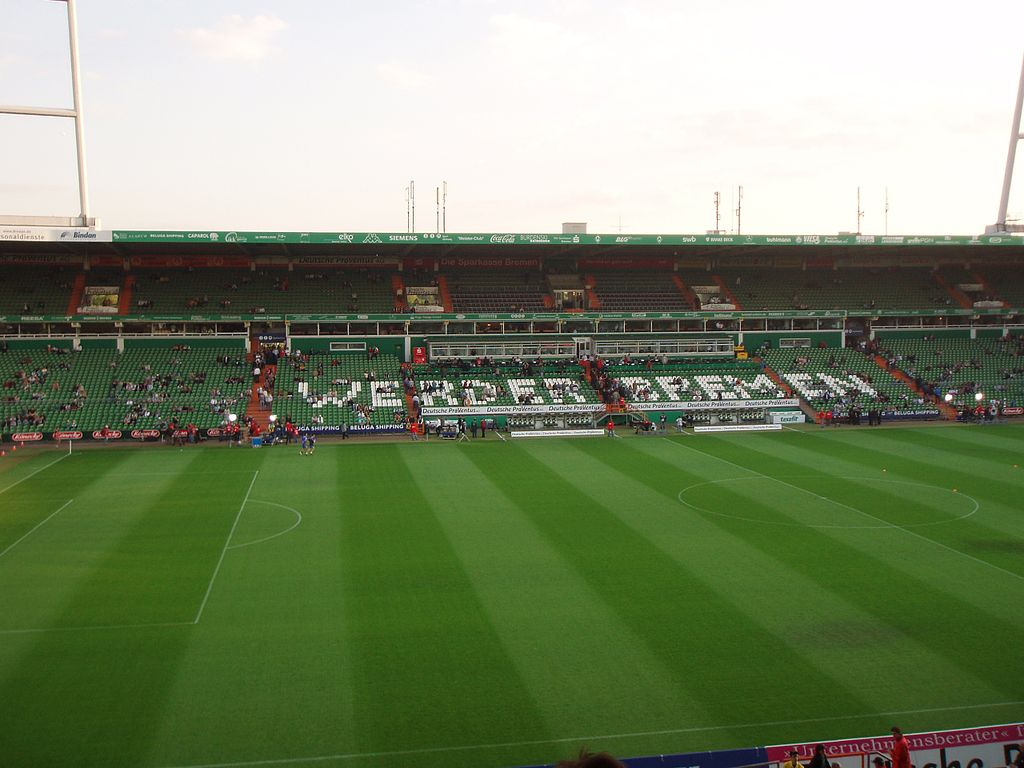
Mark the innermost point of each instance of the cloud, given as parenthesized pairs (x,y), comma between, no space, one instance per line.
(235,38)
(401,75)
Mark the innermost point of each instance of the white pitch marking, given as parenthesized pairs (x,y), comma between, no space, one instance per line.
(231,533)
(37,525)
(590,739)
(860,511)
(680,495)
(94,627)
(63,456)
(292,527)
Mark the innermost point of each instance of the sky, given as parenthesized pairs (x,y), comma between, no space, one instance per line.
(314,115)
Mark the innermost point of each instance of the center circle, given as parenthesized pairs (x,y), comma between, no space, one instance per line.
(776,501)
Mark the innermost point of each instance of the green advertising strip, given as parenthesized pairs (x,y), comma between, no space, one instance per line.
(508,238)
(512,317)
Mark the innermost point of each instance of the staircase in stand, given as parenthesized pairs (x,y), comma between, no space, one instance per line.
(445,294)
(957,295)
(77,289)
(124,303)
(726,293)
(806,407)
(688,294)
(945,409)
(593,302)
(252,408)
(986,286)
(398,290)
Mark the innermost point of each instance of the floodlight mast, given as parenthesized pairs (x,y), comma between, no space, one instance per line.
(1015,136)
(84,219)
(76,88)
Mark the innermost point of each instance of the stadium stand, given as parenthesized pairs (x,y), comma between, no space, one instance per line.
(784,289)
(139,389)
(328,390)
(624,290)
(265,290)
(686,381)
(31,290)
(461,384)
(498,291)
(839,380)
(962,367)
(1007,282)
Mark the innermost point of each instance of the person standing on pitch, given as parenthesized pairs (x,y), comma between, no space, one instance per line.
(302,445)
(900,754)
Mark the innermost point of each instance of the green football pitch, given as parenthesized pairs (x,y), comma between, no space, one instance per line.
(493,603)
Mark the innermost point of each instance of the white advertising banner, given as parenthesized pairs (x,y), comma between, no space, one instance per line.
(511,410)
(54,235)
(787,417)
(717,405)
(983,747)
(741,428)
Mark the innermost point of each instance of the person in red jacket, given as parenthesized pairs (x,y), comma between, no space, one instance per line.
(900,749)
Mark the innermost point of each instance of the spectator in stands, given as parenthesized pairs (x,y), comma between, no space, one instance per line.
(793,761)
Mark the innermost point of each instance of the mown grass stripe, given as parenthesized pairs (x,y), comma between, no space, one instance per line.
(805,607)
(426,658)
(659,591)
(555,626)
(924,601)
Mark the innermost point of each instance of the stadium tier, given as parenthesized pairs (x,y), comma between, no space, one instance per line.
(619,290)
(273,288)
(264,290)
(498,291)
(447,385)
(839,380)
(851,289)
(962,368)
(56,389)
(35,290)
(687,382)
(1005,282)
(328,390)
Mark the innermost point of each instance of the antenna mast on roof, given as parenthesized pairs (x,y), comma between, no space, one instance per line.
(860,213)
(1015,136)
(887,210)
(739,210)
(444,206)
(718,213)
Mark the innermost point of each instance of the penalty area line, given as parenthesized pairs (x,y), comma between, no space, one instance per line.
(33,474)
(94,627)
(588,739)
(37,525)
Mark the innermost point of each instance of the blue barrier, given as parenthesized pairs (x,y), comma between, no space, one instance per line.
(726,758)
